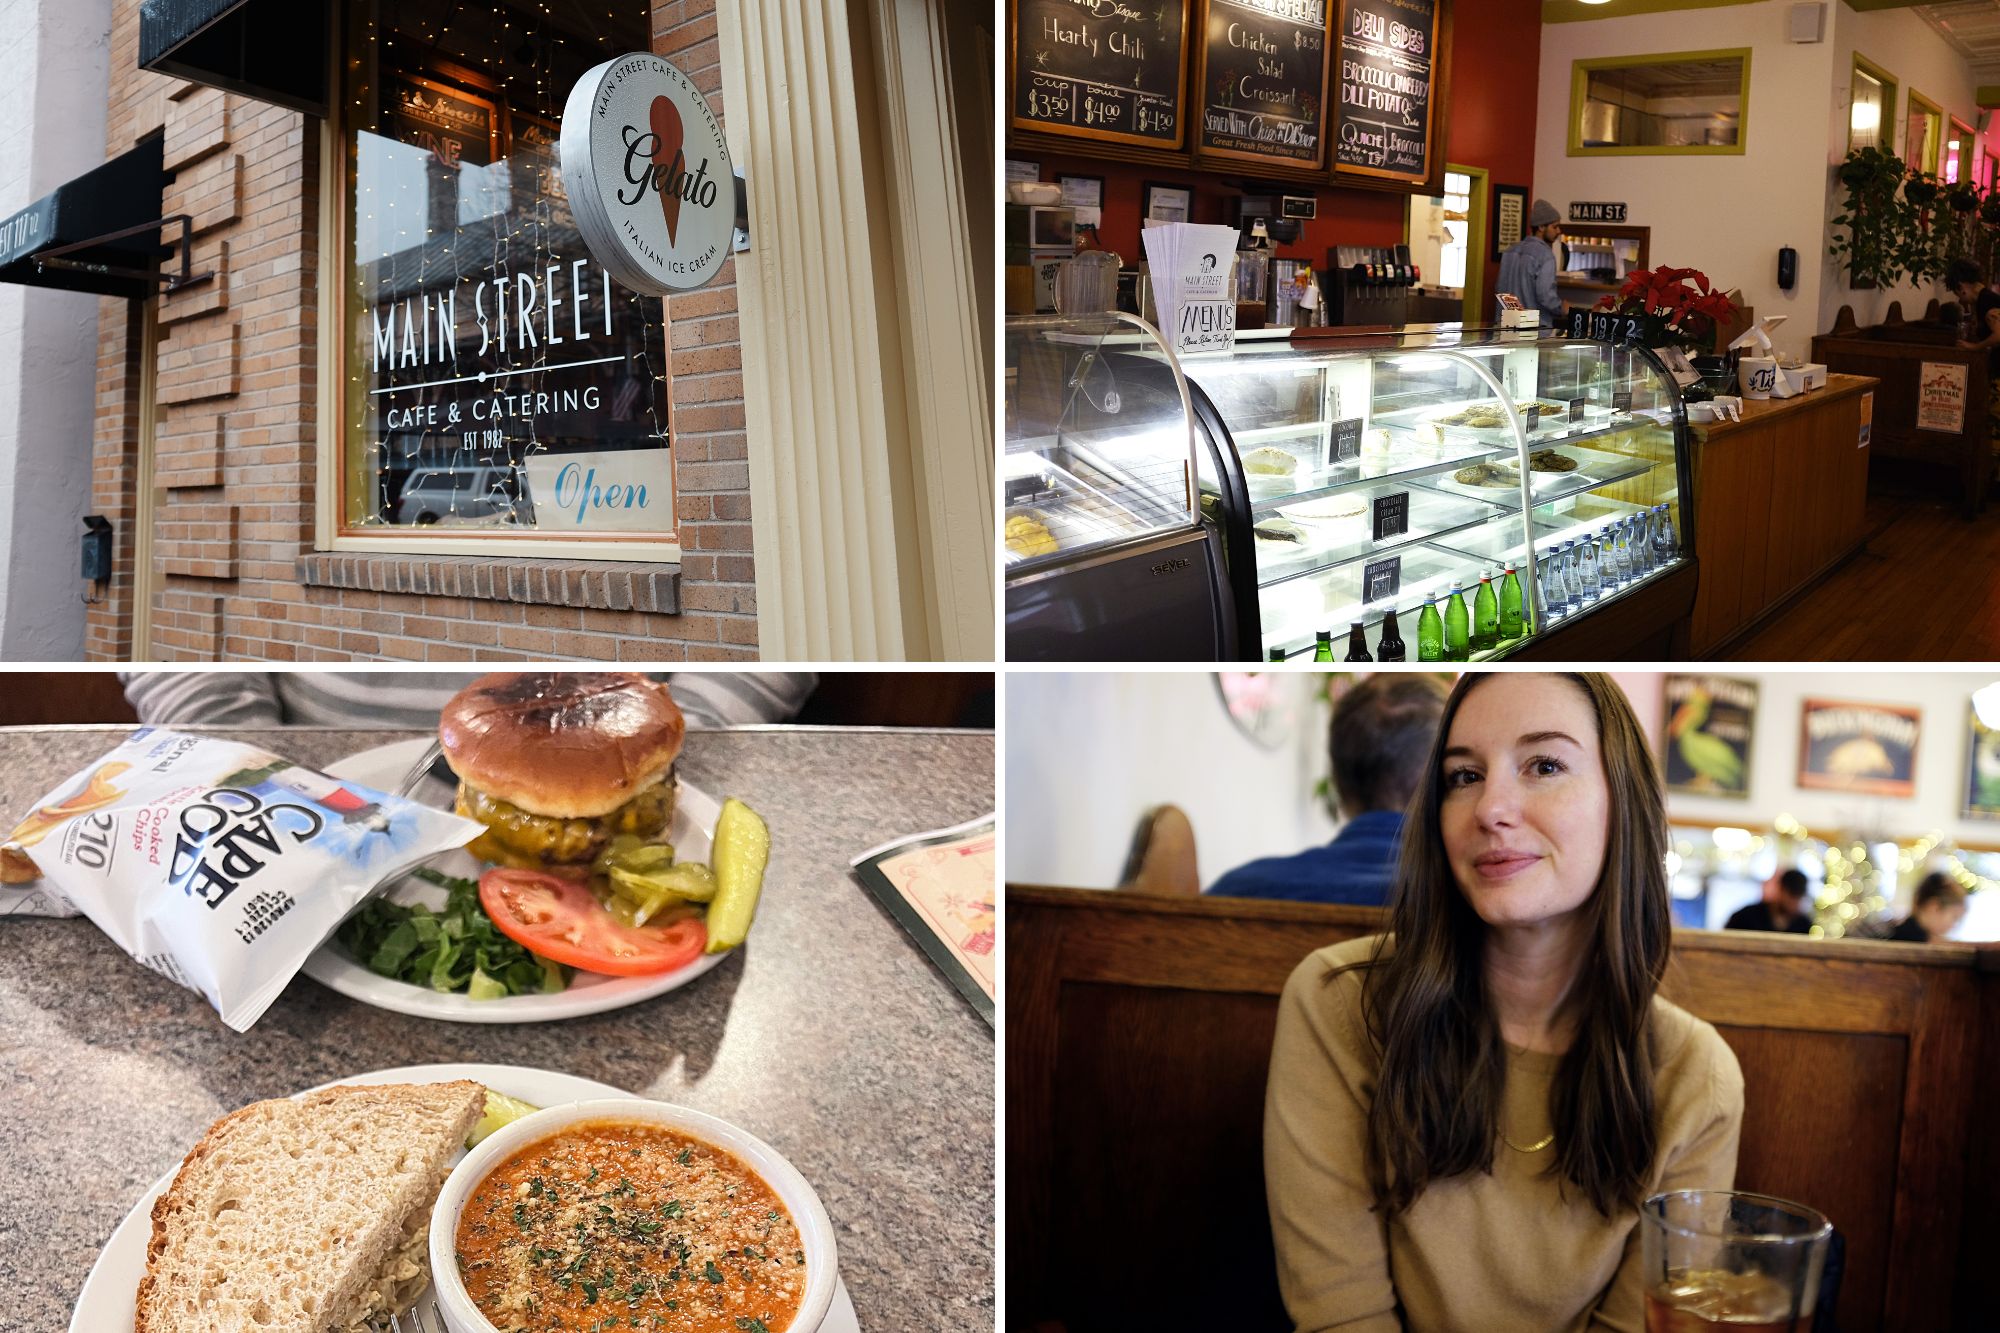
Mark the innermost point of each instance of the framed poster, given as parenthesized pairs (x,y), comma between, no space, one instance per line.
(460,128)
(1260,82)
(1389,128)
(1982,769)
(1166,203)
(1510,217)
(1858,747)
(1706,738)
(1941,397)
(1023,169)
(1114,72)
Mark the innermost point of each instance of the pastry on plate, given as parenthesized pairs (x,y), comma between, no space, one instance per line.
(1487,474)
(1028,536)
(1549,460)
(1270,461)
(1279,530)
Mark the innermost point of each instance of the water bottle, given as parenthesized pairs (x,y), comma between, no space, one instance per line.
(1643,544)
(1545,580)
(1665,545)
(1625,569)
(1565,576)
(1591,580)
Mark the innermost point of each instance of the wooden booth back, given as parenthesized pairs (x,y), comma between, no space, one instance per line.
(1903,356)
(1138,1031)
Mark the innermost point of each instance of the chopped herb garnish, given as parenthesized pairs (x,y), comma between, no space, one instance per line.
(711,1272)
(684,1156)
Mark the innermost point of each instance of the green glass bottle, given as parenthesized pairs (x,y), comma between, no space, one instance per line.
(1323,649)
(1430,633)
(1457,629)
(1485,615)
(1513,623)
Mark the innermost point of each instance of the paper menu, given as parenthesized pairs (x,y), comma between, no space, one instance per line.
(1191,266)
(942,887)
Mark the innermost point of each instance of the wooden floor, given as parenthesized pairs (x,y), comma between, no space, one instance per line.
(1926,588)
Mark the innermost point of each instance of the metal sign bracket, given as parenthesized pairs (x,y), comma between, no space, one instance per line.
(171,282)
(742,241)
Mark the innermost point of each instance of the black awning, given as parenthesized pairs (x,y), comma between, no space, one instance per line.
(272,50)
(111,212)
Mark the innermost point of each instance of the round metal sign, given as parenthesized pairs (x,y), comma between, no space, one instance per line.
(648,174)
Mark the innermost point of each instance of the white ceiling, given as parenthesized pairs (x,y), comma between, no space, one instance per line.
(1972,27)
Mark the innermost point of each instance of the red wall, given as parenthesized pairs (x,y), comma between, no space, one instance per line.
(1495,63)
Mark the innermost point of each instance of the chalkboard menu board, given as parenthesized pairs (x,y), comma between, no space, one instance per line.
(1384,120)
(1263,82)
(1101,69)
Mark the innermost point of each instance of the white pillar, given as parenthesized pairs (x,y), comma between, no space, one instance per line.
(55,62)
(866,390)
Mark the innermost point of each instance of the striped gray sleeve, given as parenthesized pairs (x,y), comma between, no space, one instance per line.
(369,699)
(733,698)
(218,698)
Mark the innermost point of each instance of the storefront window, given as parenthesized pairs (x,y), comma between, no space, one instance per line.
(1693,102)
(495,378)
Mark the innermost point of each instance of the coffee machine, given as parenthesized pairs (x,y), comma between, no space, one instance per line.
(1278,287)
(1369,284)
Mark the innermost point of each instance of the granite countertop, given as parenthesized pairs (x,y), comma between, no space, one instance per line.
(830,1035)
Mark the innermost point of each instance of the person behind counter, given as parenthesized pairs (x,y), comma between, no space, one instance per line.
(1528,269)
(1380,741)
(1939,907)
(1969,285)
(1464,1115)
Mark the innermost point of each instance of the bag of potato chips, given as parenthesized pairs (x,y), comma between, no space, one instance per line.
(215,863)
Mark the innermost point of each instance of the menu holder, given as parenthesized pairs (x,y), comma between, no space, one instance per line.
(1111,72)
(1261,83)
(941,887)
(1344,441)
(1381,579)
(1392,515)
(1388,126)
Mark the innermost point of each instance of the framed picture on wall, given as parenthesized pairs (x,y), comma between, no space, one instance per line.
(1858,747)
(1706,737)
(1982,769)
(1166,203)
(1023,169)
(1510,217)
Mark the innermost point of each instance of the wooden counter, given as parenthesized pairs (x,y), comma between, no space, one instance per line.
(1779,501)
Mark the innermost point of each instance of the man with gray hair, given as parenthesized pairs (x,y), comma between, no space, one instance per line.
(1528,270)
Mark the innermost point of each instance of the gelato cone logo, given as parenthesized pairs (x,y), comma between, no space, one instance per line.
(648,174)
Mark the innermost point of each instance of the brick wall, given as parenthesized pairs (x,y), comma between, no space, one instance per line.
(236,433)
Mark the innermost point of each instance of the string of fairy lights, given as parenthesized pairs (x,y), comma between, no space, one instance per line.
(1860,877)
(517,46)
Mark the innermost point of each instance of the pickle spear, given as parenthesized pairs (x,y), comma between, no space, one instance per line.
(742,849)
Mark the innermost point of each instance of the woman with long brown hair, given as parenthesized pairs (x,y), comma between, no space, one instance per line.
(1464,1115)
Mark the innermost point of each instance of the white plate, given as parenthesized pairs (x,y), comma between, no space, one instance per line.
(110,1294)
(383,768)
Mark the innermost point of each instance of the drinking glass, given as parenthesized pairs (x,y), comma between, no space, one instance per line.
(1721,1261)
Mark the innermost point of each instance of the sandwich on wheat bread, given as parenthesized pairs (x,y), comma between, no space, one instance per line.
(305,1215)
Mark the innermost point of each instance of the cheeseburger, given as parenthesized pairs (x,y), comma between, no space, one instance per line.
(556,763)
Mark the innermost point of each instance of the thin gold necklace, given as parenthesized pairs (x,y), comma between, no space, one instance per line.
(1518,1148)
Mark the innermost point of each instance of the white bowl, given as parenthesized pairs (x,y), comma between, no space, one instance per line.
(815,1229)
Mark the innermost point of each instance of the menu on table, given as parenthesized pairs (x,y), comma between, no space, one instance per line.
(1388,57)
(1101,69)
(1263,82)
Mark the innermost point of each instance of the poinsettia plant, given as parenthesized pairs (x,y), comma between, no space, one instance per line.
(1674,305)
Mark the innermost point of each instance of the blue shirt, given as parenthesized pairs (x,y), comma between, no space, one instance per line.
(1357,867)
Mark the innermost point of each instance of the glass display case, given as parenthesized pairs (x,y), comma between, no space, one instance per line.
(1107,554)
(1357,478)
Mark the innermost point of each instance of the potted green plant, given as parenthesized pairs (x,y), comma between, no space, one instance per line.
(1867,229)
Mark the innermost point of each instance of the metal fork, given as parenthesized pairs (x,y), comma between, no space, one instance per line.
(415,1322)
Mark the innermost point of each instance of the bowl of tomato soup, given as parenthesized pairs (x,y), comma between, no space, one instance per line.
(667,1218)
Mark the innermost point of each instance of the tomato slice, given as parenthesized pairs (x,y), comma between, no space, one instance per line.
(562,921)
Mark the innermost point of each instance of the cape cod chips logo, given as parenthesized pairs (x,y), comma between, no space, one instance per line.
(648,174)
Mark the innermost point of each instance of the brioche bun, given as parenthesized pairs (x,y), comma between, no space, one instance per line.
(568,745)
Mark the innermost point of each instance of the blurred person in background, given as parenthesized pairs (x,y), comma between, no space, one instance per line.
(1464,1113)
(1783,908)
(412,700)
(1939,907)
(1380,741)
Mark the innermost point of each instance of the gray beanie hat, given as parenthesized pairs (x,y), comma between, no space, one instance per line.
(1543,214)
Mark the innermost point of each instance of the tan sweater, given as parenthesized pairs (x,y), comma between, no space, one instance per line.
(1478,1253)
